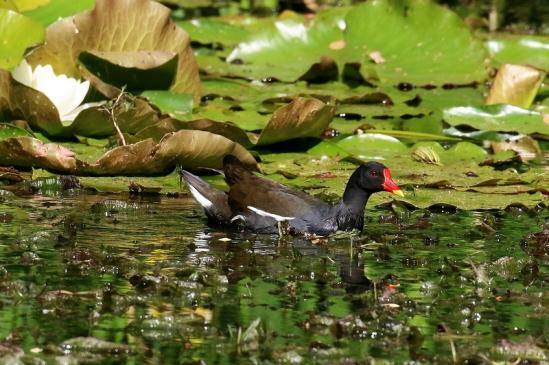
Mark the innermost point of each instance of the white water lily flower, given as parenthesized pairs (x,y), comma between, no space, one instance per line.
(64,92)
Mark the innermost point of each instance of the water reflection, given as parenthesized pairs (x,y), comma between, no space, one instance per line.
(149,273)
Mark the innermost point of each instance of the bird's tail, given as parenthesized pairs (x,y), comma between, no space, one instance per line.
(213,201)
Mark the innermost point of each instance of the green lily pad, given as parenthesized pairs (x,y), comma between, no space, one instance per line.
(528,50)
(52,10)
(500,117)
(17,32)
(9,131)
(207,31)
(176,105)
(304,44)
(464,151)
(327,148)
(120,26)
(372,146)
(403,34)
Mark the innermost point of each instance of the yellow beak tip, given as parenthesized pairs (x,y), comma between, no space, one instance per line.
(398,192)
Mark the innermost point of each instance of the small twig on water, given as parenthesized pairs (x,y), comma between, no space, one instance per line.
(110,110)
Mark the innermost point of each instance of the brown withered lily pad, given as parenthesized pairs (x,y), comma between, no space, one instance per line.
(128,28)
(187,148)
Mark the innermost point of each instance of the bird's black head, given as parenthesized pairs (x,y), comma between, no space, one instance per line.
(374,177)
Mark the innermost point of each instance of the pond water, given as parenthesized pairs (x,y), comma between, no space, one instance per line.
(90,278)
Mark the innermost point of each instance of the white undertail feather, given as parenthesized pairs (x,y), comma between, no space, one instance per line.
(201,199)
(238,217)
(263,213)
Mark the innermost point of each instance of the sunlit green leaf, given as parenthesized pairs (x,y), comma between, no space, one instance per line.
(421,43)
(520,49)
(53,10)
(372,146)
(177,105)
(499,117)
(17,32)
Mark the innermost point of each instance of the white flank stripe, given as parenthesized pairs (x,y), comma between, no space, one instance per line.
(238,217)
(201,199)
(263,213)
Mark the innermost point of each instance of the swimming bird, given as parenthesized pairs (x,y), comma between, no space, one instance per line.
(257,204)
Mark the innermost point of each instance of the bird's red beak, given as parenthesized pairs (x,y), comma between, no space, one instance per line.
(389,185)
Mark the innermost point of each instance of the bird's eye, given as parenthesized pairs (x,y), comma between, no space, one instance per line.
(373,173)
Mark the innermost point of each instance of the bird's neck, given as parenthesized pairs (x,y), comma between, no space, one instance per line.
(351,207)
(354,198)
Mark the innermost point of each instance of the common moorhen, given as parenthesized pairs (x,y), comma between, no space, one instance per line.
(258,204)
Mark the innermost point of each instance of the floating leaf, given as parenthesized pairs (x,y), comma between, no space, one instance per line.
(30,152)
(501,117)
(515,85)
(120,26)
(528,50)
(426,154)
(372,146)
(526,147)
(327,148)
(134,70)
(49,11)
(207,31)
(403,33)
(18,101)
(9,131)
(17,33)
(303,117)
(176,105)
(304,43)
(187,148)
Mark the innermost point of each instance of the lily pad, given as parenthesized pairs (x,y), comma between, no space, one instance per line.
(304,43)
(50,11)
(207,31)
(515,85)
(528,50)
(403,34)
(303,117)
(176,105)
(9,131)
(120,26)
(372,146)
(17,32)
(187,148)
(134,70)
(500,117)
(18,101)
(31,152)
